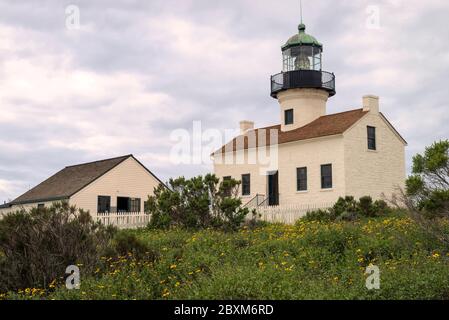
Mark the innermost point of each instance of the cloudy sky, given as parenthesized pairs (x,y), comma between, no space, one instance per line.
(135,71)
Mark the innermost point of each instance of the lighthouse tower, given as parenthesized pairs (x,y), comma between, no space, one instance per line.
(302,88)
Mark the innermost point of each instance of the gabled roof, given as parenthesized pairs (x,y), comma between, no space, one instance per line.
(328,125)
(70,180)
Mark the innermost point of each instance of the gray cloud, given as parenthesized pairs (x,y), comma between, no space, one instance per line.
(137,70)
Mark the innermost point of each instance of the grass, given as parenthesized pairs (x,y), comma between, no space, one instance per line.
(311,260)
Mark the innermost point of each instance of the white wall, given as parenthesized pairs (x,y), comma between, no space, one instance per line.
(373,172)
(307,104)
(25,207)
(258,179)
(128,179)
(309,153)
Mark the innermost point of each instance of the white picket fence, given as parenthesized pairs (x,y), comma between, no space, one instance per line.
(288,214)
(123,220)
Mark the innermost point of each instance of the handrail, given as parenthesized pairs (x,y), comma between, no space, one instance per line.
(264,203)
(303,79)
(256,199)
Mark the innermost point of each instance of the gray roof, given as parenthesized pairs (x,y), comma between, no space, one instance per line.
(70,180)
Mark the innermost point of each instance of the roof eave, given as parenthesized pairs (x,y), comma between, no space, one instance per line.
(332,135)
(291,45)
(394,129)
(18,203)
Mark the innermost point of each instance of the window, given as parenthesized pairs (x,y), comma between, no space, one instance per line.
(134,205)
(104,204)
(371,138)
(326,176)
(227,191)
(246,184)
(301,179)
(288,117)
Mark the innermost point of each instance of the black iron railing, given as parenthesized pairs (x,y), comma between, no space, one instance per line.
(303,79)
(255,202)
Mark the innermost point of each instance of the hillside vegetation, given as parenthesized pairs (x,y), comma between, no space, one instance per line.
(311,260)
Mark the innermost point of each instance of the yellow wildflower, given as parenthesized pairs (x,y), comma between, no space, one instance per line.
(165,293)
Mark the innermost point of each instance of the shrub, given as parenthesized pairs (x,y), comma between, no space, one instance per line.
(126,243)
(427,190)
(197,203)
(348,209)
(366,207)
(39,245)
(255,221)
(344,205)
(381,208)
(319,215)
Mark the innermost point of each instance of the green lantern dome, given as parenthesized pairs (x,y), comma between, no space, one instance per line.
(302,38)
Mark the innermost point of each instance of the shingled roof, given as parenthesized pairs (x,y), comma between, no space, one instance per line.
(69,181)
(328,125)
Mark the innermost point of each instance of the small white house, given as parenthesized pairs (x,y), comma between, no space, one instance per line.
(120,184)
(319,156)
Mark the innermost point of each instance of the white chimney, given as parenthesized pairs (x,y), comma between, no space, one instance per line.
(245,126)
(371,103)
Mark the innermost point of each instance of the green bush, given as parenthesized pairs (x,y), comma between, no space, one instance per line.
(366,207)
(197,203)
(344,205)
(127,243)
(349,209)
(427,190)
(37,246)
(319,215)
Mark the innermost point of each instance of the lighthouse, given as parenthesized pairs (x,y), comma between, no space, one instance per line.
(318,157)
(302,88)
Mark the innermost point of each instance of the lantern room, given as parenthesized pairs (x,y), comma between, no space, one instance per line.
(302,52)
(302,65)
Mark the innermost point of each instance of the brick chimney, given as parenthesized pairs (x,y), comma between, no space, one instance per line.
(371,103)
(245,126)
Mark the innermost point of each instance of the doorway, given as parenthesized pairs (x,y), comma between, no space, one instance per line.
(123,204)
(273,189)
